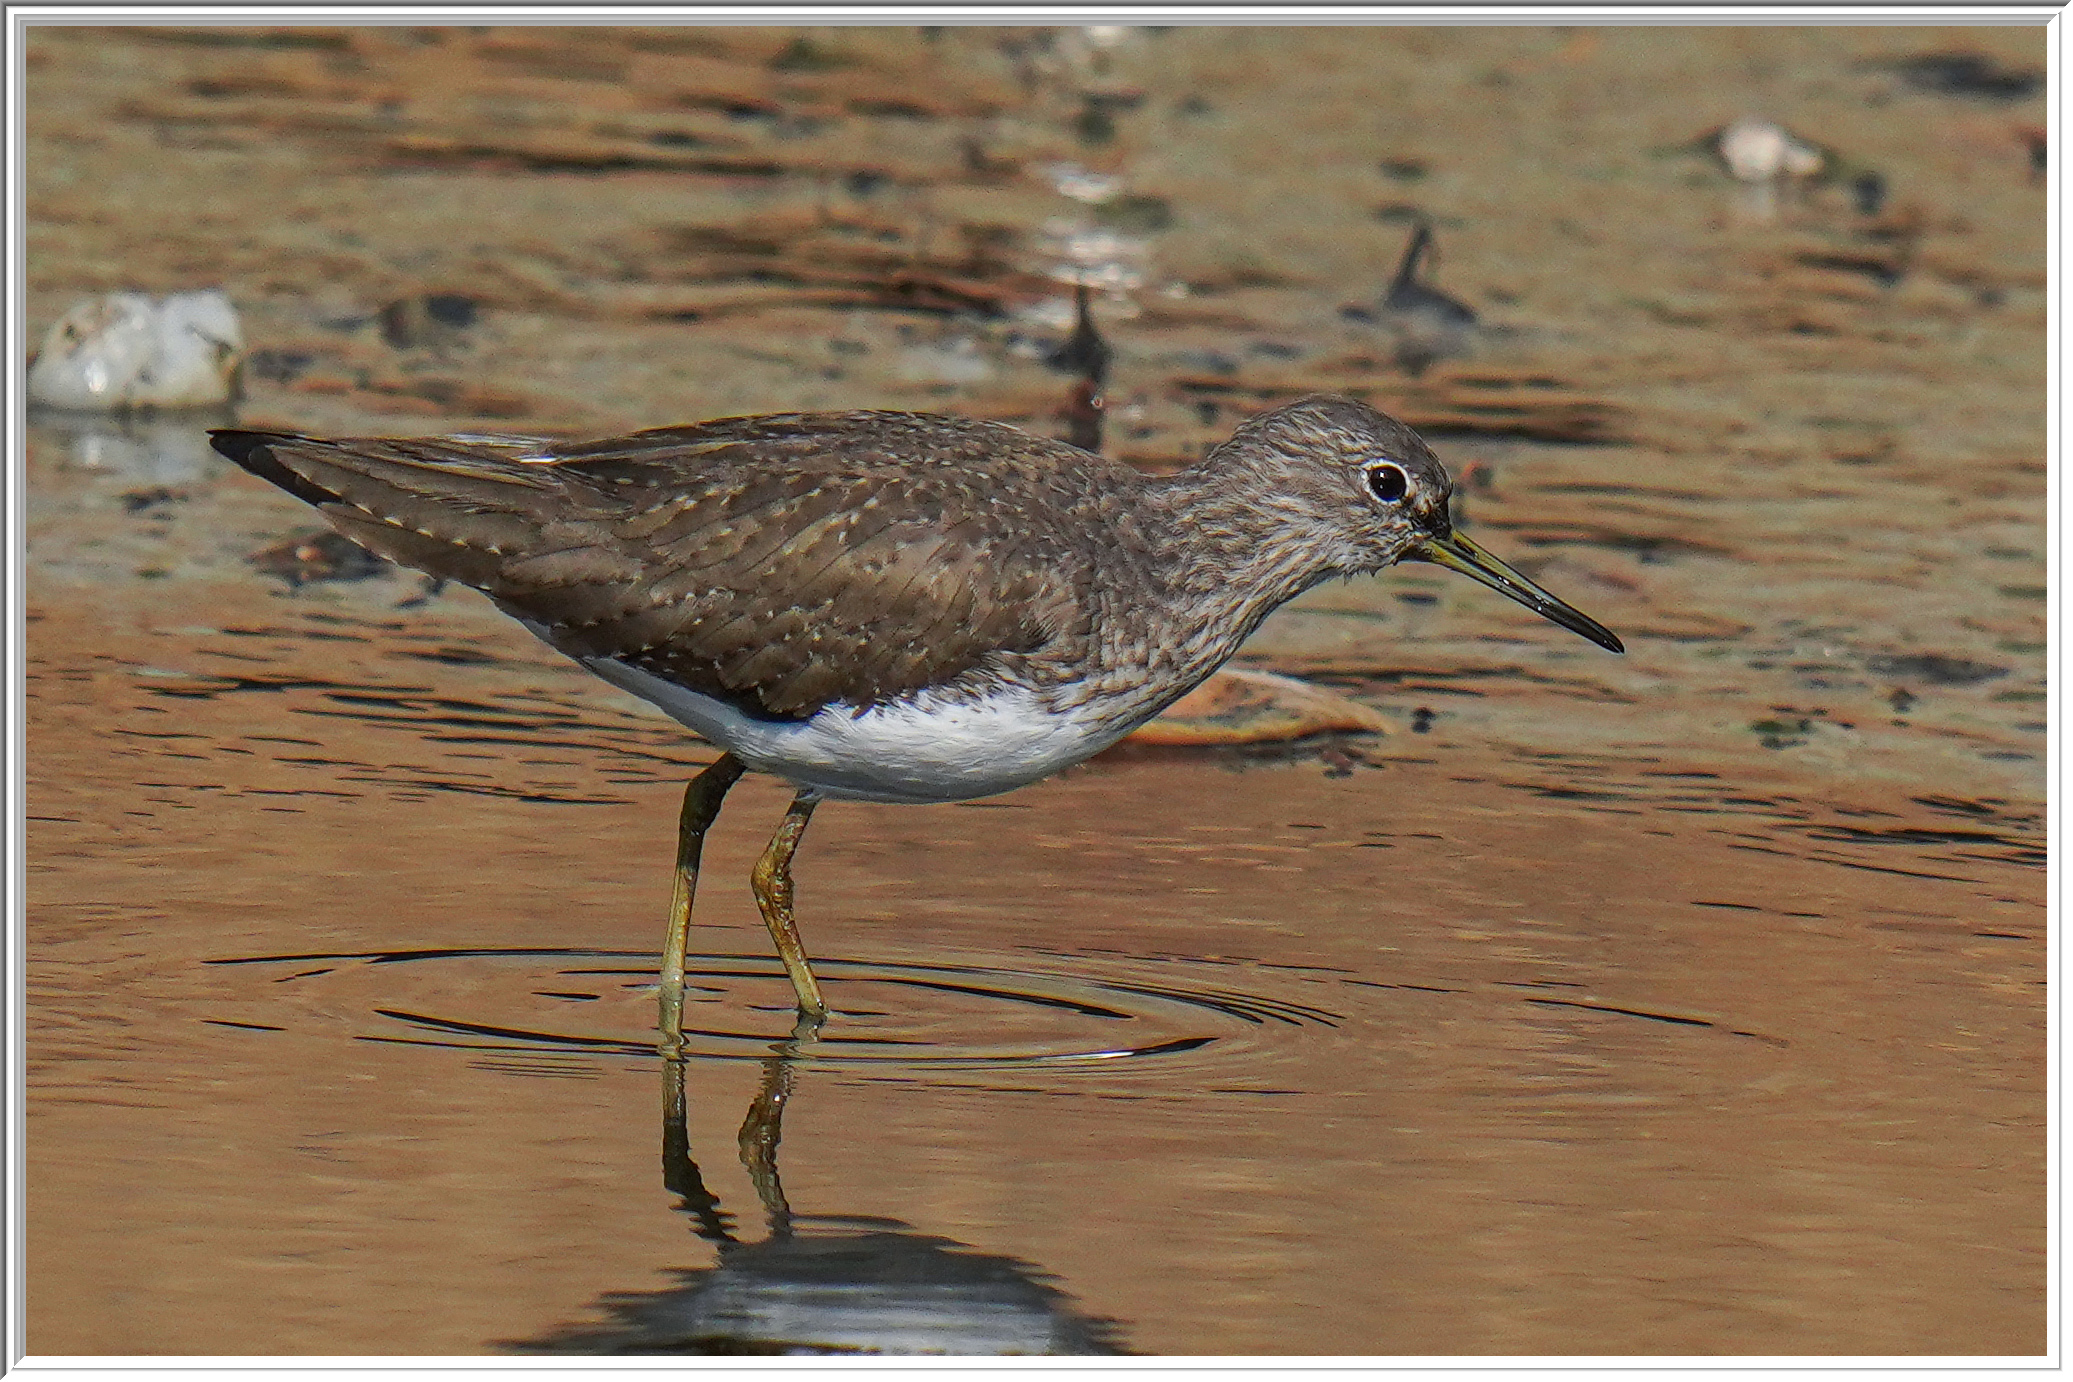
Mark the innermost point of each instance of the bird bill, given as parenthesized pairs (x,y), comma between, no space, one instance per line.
(1457,553)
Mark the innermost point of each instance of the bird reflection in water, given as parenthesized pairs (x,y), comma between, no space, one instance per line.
(821,1284)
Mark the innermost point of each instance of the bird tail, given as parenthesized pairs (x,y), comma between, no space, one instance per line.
(440,505)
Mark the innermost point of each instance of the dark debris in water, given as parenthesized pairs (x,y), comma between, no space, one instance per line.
(1868,193)
(2037,143)
(1135,214)
(305,558)
(153,501)
(1935,668)
(1973,75)
(1782,734)
(279,366)
(2010,849)
(451,655)
(1885,269)
(1983,808)
(427,319)
(1623,1012)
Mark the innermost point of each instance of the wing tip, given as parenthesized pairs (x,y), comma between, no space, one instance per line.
(253,452)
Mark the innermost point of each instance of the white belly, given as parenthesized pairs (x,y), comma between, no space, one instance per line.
(926,750)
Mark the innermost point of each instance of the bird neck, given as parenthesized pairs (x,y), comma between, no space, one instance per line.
(1239,544)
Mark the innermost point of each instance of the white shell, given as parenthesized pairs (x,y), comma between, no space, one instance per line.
(131,350)
(1758,151)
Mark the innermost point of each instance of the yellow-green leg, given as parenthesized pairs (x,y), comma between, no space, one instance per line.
(773,885)
(701,804)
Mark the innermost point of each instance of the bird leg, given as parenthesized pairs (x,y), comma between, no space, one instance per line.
(772,882)
(701,804)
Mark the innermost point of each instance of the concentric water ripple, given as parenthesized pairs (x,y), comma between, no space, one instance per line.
(602,1003)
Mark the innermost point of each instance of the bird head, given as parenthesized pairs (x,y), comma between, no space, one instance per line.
(1366,491)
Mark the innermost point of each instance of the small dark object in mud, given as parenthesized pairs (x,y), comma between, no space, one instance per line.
(304,558)
(1094,126)
(1934,668)
(1901,699)
(1421,720)
(1886,270)
(1095,123)
(1868,192)
(1403,169)
(866,182)
(1966,74)
(1341,760)
(1782,734)
(804,55)
(982,165)
(279,366)
(2038,143)
(427,319)
(145,500)
(1135,214)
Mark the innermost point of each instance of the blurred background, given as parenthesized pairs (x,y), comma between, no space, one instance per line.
(1687,1002)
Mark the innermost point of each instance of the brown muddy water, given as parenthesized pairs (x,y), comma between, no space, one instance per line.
(1690,1002)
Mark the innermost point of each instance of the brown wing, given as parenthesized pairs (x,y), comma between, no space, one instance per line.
(780,563)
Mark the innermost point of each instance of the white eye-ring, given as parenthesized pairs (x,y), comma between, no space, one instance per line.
(1388,482)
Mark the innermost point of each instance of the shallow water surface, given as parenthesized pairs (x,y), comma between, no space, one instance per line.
(1442,1052)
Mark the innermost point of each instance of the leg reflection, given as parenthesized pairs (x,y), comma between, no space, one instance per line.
(821,1283)
(679,1172)
(760,1133)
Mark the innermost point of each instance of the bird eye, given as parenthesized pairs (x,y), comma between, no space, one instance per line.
(1388,483)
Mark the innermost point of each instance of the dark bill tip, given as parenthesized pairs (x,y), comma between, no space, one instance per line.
(1457,553)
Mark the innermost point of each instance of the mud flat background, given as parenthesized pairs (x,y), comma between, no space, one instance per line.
(1685,1002)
